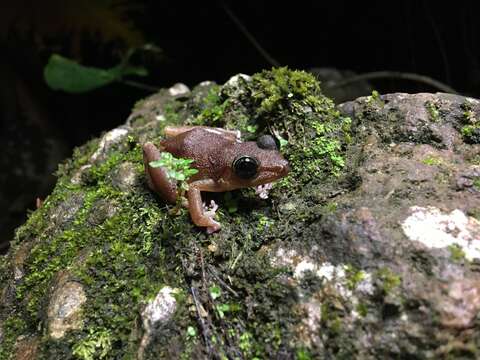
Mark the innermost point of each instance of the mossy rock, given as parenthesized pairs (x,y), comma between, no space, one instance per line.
(339,262)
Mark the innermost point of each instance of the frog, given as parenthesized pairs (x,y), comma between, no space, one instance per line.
(224,163)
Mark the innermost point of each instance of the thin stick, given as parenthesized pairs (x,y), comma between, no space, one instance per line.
(139,85)
(223,283)
(397,75)
(205,330)
(248,35)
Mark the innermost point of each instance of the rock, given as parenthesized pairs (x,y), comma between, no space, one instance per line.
(125,177)
(64,309)
(157,313)
(108,141)
(26,348)
(178,89)
(368,249)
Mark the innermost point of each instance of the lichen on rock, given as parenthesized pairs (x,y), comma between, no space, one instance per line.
(331,265)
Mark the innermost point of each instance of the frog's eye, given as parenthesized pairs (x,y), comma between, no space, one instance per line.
(245,167)
(267,142)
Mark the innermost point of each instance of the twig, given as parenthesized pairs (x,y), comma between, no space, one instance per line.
(213,271)
(438,38)
(139,85)
(205,329)
(248,35)
(397,75)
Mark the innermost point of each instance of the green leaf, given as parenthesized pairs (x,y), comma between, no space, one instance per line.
(68,75)
(191,332)
(215,292)
(179,176)
(252,128)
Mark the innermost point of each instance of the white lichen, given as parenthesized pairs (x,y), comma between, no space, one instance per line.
(435,229)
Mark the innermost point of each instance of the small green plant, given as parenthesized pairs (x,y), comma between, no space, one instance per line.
(456,253)
(432,161)
(389,279)
(375,99)
(433,110)
(231,202)
(191,332)
(215,291)
(176,168)
(95,346)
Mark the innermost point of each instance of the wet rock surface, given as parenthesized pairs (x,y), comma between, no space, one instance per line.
(64,309)
(372,252)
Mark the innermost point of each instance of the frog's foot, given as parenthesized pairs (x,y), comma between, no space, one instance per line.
(213,228)
(262,190)
(210,210)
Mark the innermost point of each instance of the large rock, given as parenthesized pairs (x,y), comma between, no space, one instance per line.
(370,248)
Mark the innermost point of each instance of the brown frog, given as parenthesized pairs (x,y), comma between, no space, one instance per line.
(223,162)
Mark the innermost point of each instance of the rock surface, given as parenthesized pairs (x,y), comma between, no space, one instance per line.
(369,249)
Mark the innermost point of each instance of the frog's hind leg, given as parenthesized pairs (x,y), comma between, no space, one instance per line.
(157,178)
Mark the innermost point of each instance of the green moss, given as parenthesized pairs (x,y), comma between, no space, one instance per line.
(375,100)
(389,279)
(468,111)
(330,318)
(433,110)
(316,145)
(476,184)
(471,129)
(362,309)
(456,253)
(170,111)
(264,222)
(12,328)
(471,133)
(303,354)
(213,108)
(432,161)
(475,213)
(353,277)
(95,346)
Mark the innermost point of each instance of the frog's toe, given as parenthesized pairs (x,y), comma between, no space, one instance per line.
(213,228)
(211,209)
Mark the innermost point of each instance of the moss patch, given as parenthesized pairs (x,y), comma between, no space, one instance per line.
(389,279)
(471,125)
(433,110)
(315,146)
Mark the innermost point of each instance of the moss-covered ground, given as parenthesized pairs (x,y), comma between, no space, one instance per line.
(124,245)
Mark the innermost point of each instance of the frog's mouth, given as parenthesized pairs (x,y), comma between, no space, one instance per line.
(262,190)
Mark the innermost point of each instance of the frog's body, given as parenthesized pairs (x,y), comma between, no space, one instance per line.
(223,162)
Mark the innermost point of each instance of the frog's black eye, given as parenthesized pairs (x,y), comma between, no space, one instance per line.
(245,167)
(267,142)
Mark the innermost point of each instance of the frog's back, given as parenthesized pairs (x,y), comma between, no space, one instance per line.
(205,146)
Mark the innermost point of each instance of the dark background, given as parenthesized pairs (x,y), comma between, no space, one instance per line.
(199,40)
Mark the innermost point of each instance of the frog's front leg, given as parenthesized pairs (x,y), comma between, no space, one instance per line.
(157,178)
(197,213)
